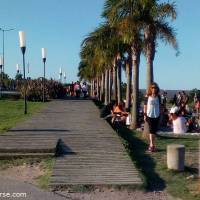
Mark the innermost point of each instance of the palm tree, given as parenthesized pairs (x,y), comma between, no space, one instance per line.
(155,18)
(88,68)
(111,47)
(101,53)
(114,75)
(124,16)
(109,85)
(128,68)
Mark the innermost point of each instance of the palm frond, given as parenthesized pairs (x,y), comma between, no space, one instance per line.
(167,34)
(166,10)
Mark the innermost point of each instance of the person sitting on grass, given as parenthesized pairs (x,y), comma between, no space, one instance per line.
(107,111)
(119,114)
(178,122)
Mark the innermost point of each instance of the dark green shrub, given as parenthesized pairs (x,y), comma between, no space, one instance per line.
(34,89)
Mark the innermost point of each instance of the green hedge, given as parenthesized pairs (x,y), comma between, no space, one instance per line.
(34,89)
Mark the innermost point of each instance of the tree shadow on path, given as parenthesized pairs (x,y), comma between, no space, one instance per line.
(143,161)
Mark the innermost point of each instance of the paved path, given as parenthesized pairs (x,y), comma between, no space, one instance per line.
(92,152)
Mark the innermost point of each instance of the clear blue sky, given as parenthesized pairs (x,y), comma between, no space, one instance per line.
(61,25)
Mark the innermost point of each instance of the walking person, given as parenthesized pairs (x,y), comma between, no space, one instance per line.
(72,89)
(164,99)
(84,89)
(77,89)
(152,108)
(179,99)
(195,98)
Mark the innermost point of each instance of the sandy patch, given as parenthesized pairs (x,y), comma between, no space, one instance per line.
(111,194)
(26,172)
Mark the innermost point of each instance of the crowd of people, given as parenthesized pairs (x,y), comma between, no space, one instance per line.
(182,117)
(156,113)
(180,114)
(77,90)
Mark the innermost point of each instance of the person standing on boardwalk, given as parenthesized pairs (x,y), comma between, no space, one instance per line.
(72,89)
(77,89)
(152,108)
(84,89)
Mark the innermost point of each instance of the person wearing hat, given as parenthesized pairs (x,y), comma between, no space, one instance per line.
(179,122)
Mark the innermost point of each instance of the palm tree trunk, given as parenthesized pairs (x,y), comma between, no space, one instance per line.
(97,88)
(135,87)
(100,82)
(150,75)
(93,87)
(114,81)
(149,37)
(106,87)
(128,81)
(102,86)
(119,97)
(109,85)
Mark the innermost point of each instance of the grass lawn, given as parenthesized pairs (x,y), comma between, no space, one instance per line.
(153,166)
(12,111)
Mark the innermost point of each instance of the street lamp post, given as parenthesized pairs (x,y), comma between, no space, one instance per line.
(4,30)
(22,42)
(64,76)
(60,73)
(17,80)
(44,52)
(17,68)
(1,64)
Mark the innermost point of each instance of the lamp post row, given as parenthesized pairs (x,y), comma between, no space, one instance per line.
(1,64)
(60,75)
(22,42)
(4,30)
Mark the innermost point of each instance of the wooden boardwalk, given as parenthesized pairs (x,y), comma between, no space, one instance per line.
(91,153)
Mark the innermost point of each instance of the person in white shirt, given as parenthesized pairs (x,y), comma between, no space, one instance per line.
(152,108)
(179,122)
(84,89)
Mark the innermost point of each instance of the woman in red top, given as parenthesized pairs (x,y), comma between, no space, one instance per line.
(119,114)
